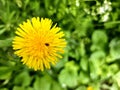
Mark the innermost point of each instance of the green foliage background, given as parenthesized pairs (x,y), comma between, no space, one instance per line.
(92,56)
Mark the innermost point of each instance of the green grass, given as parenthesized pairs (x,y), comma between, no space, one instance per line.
(92,55)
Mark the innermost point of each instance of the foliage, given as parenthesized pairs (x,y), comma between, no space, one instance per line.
(92,56)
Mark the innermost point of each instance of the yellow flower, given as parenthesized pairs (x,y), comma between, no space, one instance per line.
(39,43)
(89,88)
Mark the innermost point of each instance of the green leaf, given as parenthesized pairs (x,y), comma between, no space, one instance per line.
(2,29)
(5,72)
(19,3)
(18,88)
(113,68)
(99,39)
(117,78)
(114,87)
(29,88)
(68,76)
(95,63)
(23,79)
(115,48)
(84,63)
(42,83)
(112,24)
(3,89)
(82,48)
(83,78)
(81,88)
(71,66)
(98,55)
(6,42)
(109,70)
(56,86)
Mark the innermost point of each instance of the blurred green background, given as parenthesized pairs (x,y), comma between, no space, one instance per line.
(92,56)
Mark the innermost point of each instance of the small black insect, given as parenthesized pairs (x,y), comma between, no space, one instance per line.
(46,44)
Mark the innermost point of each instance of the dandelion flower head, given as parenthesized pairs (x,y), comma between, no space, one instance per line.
(39,43)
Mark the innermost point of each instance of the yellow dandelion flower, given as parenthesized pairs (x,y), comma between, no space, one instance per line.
(38,43)
(89,88)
